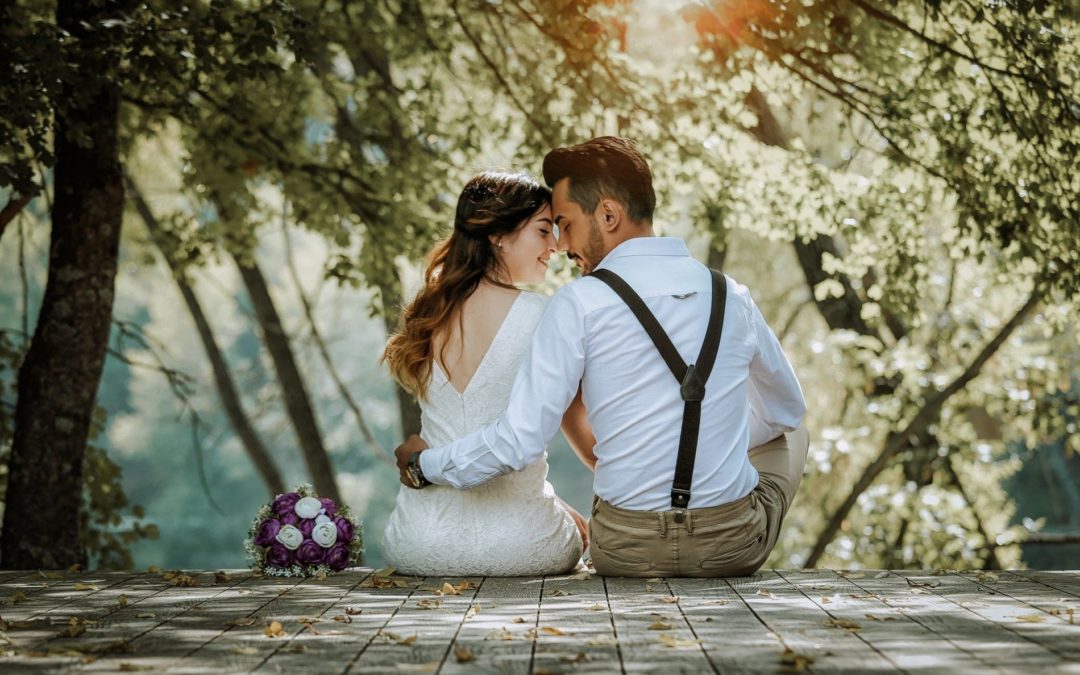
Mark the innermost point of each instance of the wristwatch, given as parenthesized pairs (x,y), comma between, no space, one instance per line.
(416,474)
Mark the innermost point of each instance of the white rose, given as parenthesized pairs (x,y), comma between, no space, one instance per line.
(290,537)
(324,534)
(323,518)
(308,507)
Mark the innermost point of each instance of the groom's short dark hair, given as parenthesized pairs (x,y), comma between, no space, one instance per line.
(607,166)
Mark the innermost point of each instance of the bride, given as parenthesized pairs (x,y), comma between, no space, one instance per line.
(457,350)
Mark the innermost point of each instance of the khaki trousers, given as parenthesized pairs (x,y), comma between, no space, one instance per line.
(729,540)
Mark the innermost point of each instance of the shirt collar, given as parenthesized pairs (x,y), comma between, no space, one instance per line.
(638,246)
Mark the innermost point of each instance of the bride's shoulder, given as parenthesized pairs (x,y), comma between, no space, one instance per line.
(533,302)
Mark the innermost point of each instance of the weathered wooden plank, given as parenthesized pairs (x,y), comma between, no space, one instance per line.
(416,638)
(653,635)
(163,628)
(574,630)
(1053,635)
(43,595)
(800,625)
(218,632)
(494,639)
(733,638)
(1065,582)
(1033,594)
(331,598)
(894,634)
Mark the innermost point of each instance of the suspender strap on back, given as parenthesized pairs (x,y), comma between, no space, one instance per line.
(691,378)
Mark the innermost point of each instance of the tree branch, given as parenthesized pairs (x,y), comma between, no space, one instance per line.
(918,425)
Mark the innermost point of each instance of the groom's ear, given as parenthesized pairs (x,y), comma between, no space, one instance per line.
(611,214)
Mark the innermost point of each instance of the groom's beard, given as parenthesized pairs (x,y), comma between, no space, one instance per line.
(593,252)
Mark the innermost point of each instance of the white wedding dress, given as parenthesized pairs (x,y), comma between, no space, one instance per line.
(511,525)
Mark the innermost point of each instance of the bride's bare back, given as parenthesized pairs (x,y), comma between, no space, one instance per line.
(460,349)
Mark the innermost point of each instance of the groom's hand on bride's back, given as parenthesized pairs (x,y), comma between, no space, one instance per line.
(404,453)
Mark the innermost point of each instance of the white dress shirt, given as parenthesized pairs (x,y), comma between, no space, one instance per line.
(588,335)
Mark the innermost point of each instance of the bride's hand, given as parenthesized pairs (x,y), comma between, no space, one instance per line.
(581,522)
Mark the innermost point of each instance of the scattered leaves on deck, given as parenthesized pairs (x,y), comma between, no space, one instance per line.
(794,660)
(846,624)
(85,587)
(463,654)
(676,642)
(274,630)
(659,625)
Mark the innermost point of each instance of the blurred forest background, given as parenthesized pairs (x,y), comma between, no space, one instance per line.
(259,181)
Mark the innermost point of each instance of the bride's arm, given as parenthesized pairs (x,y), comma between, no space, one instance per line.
(575,426)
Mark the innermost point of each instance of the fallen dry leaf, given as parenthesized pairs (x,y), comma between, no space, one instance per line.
(601,642)
(17,597)
(464,585)
(1030,618)
(846,624)
(429,603)
(448,589)
(794,660)
(558,593)
(463,654)
(825,600)
(517,619)
(552,630)
(75,629)
(580,657)
(128,667)
(122,601)
(881,575)
(986,576)
(580,576)
(385,572)
(473,610)
(597,607)
(243,621)
(353,611)
(670,600)
(275,629)
(145,615)
(343,618)
(659,625)
(499,634)
(221,578)
(852,575)
(85,587)
(245,651)
(764,593)
(675,642)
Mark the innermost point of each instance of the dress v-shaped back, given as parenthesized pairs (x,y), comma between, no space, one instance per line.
(509,526)
(439,373)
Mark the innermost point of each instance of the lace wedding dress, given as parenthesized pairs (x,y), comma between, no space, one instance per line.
(509,526)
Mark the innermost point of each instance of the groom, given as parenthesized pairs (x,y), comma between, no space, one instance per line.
(695,409)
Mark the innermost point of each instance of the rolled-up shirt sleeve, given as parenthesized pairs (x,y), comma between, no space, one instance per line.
(777,405)
(546,383)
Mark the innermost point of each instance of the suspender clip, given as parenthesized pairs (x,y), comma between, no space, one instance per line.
(680,499)
(693,389)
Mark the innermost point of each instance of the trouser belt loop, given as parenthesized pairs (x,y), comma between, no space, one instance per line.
(662,519)
(690,522)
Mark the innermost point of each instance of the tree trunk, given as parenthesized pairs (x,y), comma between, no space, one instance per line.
(13,208)
(230,399)
(59,378)
(407,405)
(297,401)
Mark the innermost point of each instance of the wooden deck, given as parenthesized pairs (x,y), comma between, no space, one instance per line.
(366,622)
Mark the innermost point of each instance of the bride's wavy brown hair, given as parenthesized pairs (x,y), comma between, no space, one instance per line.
(492,203)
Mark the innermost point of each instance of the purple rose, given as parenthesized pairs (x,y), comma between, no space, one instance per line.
(345,529)
(290,519)
(310,553)
(329,505)
(306,526)
(279,556)
(268,529)
(337,557)
(285,503)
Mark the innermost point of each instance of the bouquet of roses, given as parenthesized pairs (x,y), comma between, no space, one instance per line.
(300,534)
